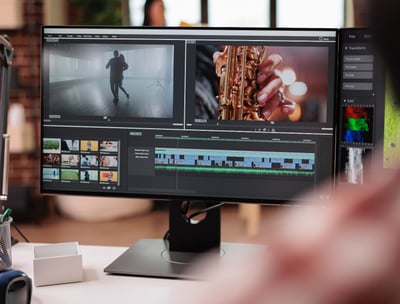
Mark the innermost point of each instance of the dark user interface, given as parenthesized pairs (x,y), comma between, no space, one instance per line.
(367,119)
(224,114)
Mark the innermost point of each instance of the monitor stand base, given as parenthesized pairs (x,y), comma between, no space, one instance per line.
(151,258)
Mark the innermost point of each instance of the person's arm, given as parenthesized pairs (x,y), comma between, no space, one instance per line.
(347,252)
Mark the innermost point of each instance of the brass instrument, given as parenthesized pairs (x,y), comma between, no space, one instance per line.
(237,68)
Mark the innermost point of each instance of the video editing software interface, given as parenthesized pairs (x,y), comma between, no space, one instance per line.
(368,120)
(228,114)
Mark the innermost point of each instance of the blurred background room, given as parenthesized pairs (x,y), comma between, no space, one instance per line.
(99,221)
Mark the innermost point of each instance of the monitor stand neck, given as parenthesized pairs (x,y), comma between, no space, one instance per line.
(192,235)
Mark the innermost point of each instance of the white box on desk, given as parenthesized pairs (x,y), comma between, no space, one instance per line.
(57,263)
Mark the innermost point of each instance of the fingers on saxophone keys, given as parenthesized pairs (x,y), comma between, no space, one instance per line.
(268,66)
(271,89)
(288,106)
(271,105)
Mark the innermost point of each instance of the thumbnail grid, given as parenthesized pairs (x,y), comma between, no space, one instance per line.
(80,160)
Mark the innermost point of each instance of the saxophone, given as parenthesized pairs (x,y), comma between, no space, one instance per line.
(237,68)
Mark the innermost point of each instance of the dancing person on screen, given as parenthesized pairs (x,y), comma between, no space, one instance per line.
(116,66)
(347,252)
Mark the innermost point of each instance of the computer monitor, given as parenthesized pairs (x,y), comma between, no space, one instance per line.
(187,114)
(368,136)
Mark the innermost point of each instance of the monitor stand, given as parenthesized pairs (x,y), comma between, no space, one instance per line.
(187,242)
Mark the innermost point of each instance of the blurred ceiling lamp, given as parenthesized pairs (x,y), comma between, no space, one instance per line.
(288,76)
(298,88)
(296,115)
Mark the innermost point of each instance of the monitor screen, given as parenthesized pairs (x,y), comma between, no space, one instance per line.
(221,114)
(368,136)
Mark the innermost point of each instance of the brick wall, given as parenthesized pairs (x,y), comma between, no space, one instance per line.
(24,167)
(25,88)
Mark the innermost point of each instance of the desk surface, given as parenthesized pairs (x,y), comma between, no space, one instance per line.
(97,286)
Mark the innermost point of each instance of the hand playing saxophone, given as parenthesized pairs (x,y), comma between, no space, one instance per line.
(250,87)
(270,95)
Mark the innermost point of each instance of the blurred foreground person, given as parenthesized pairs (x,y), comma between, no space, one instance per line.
(345,253)
(348,252)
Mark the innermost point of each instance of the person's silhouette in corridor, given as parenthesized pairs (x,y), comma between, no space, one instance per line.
(116,66)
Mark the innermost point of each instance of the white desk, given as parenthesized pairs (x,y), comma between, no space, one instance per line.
(97,286)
